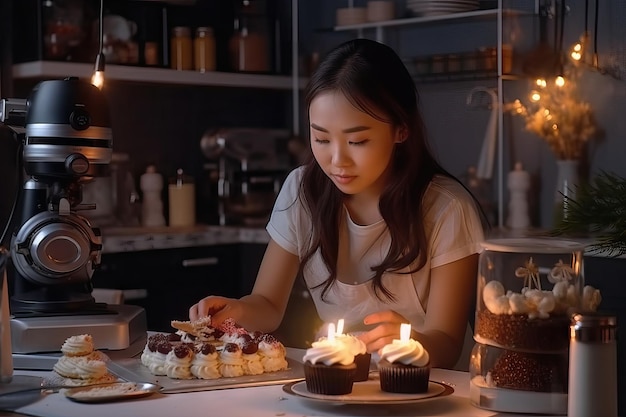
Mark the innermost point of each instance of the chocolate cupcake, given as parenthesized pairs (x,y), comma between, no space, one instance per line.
(329,368)
(404,367)
(362,359)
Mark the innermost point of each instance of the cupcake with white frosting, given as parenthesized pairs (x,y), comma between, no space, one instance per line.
(404,365)
(329,367)
(362,358)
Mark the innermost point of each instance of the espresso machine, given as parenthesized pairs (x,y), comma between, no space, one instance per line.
(247,167)
(65,138)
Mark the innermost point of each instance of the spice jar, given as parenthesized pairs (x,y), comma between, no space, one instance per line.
(204,49)
(181,57)
(249,47)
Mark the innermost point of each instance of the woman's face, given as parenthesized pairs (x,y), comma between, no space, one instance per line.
(353,148)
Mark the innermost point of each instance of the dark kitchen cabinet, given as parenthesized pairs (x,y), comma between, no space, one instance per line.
(174,279)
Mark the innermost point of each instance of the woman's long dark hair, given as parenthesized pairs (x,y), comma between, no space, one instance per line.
(374,79)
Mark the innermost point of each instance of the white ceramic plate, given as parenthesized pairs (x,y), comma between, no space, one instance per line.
(369,392)
(115,391)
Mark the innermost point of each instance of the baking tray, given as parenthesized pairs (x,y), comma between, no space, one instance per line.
(132,369)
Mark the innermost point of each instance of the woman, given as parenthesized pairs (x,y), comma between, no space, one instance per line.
(381,233)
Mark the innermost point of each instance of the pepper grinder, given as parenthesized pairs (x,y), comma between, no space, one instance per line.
(152,209)
(592,388)
(518,184)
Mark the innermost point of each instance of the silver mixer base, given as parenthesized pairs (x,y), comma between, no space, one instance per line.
(115,331)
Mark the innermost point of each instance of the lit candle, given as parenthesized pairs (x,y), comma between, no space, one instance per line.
(405,332)
(340,326)
(331,332)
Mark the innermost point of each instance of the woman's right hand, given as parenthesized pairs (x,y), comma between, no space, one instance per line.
(219,308)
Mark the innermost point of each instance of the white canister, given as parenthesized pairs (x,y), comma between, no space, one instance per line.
(592,390)
(182,200)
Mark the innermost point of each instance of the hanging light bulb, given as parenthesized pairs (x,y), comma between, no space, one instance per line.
(541,82)
(97,78)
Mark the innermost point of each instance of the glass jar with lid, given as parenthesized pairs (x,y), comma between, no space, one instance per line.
(181,48)
(250,45)
(204,49)
(527,290)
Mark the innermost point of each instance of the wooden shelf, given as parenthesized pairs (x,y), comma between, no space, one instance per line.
(52,70)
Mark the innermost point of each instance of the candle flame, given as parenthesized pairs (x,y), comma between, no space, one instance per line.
(340,326)
(405,332)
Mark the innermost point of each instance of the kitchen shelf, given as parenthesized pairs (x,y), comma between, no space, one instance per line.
(464,76)
(53,69)
(474,14)
(377,30)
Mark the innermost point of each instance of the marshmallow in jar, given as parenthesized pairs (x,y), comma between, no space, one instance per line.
(527,290)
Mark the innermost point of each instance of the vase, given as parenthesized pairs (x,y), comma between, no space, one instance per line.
(566,182)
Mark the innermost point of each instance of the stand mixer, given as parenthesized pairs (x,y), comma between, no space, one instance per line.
(65,130)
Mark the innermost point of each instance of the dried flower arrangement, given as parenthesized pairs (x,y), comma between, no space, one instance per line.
(556,114)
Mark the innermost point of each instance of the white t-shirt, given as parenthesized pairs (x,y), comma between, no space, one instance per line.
(453,229)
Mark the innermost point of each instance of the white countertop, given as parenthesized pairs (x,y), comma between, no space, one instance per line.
(262,401)
(265,401)
(132,239)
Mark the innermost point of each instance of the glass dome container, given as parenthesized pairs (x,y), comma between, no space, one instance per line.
(527,290)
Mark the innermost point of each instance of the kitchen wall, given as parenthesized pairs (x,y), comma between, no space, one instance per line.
(457,130)
(163,124)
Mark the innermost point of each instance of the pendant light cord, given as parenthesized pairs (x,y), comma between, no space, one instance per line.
(595,36)
(101,28)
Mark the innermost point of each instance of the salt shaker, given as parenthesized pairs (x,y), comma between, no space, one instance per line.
(592,388)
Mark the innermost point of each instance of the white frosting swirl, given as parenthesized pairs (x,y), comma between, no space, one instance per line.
(205,366)
(146,355)
(329,353)
(272,355)
(156,363)
(252,364)
(78,345)
(410,352)
(178,368)
(79,368)
(231,362)
(355,345)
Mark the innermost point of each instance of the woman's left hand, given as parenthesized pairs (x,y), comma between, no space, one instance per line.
(387,328)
